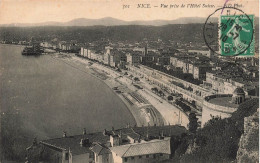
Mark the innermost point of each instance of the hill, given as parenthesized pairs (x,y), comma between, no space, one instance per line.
(109,21)
(181,33)
(178,32)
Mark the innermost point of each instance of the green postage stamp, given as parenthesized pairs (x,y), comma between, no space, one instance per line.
(236,35)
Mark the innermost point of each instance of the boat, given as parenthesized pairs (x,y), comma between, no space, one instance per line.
(35,49)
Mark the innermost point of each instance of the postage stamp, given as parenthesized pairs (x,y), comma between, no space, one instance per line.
(236,35)
(229,31)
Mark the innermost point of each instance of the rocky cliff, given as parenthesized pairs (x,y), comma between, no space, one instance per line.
(249,142)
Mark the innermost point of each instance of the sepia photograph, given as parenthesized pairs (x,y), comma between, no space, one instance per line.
(129,81)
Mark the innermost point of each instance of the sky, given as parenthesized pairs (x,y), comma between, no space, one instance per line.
(37,11)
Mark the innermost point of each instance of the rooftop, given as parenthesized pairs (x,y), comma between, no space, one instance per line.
(100,149)
(73,142)
(153,131)
(145,148)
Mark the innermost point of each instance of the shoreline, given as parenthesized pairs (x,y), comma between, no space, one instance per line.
(111,82)
(94,73)
(37,84)
(152,111)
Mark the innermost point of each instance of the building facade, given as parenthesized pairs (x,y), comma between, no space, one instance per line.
(133,58)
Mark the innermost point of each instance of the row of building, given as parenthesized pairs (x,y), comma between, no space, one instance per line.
(118,57)
(134,145)
(217,77)
(192,63)
(112,57)
(67,46)
(226,79)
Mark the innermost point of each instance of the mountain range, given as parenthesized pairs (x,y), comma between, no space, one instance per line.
(109,21)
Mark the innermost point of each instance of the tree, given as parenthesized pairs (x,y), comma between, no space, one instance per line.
(193,103)
(218,140)
(213,120)
(193,122)
(155,90)
(190,89)
(136,79)
(170,98)
(161,93)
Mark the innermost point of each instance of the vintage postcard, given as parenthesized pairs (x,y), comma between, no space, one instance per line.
(129,81)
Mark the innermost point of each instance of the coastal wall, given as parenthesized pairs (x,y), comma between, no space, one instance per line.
(164,80)
(208,113)
(209,109)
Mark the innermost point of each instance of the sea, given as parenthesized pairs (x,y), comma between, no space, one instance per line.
(41,97)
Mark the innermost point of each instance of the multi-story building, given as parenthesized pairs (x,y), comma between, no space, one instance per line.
(143,152)
(97,56)
(133,58)
(207,53)
(183,61)
(185,66)
(117,57)
(92,53)
(149,57)
(61,43)
(111,57)
(163,60)
(114,57)
(191,68)
(199,71)
(107,58)
(45,44)
(191,64)
(64,46)
(142,50)
(226,81)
